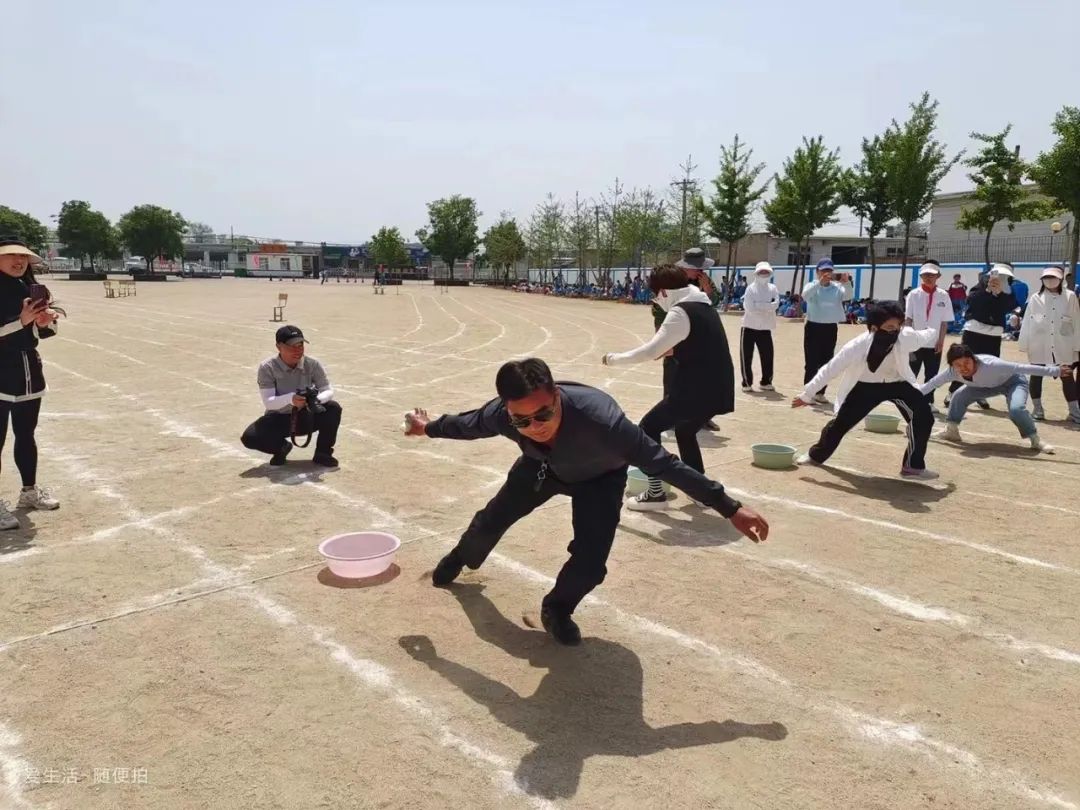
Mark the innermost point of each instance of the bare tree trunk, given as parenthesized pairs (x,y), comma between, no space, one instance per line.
(986,245)
(903,262)
(873,265)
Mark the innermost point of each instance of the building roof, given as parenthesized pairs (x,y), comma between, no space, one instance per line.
(960,195)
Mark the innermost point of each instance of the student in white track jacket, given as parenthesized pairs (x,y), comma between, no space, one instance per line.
(759,320)
(1050,336)
(874,368)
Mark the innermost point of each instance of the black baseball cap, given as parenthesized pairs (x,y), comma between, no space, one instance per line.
(290,336)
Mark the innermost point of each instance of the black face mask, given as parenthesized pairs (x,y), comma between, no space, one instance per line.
(880,346)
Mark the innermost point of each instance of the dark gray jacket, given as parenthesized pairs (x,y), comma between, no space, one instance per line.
(595,438)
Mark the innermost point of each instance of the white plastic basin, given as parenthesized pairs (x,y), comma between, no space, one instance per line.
(359,554)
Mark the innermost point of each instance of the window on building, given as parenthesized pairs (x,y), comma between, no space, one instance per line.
(285,263)
(793,257)
(264,263)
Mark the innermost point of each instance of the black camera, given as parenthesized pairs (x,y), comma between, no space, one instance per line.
(311,397)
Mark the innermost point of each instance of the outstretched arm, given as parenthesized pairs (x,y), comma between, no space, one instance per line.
(482,423)
(673,331)
(638,449)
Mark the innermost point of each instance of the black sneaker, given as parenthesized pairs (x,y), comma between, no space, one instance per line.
(448,569)
(711,425)
(560,626)
(278,458)
(984,404)
(325,460)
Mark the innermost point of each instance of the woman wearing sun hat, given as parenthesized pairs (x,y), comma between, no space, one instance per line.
(22,382)
(1050,336)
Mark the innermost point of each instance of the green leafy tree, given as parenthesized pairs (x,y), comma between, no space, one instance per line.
(916,164)
(807,196)
(151,231)
(640,228)
(24,227)
(388,249)
(86,233)
(546,233)
(504,245)
(865,190)
(581,232)
(1057,172)
(199,232)
(728,214)
(451,232)
(999,191)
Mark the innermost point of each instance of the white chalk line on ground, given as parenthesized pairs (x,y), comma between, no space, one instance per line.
(914,738)
(876,729)
(13,769)
(371,673)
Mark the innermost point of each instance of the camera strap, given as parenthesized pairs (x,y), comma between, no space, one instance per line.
(294,420)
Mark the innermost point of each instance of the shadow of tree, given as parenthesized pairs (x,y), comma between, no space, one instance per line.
(589,703)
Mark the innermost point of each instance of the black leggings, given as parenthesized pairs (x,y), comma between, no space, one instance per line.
(1068,385)
(24,419)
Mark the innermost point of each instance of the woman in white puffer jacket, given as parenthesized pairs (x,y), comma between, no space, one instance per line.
(1050,336)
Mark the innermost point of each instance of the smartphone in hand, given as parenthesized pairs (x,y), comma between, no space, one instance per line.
(39,295)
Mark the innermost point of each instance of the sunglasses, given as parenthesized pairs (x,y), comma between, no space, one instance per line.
(542,415)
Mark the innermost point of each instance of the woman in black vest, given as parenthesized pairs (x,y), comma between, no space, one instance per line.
(703,382)
(22,382)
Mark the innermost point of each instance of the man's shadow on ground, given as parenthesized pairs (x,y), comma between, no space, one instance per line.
(21,539)
(706,529)
(907,496)
(589,702)
(291,474)
(980,450)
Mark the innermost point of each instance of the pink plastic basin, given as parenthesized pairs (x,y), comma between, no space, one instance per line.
(359,554)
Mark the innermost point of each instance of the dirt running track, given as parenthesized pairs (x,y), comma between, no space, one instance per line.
(169,638)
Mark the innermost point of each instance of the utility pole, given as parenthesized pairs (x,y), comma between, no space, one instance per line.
(687,184)
(599,264)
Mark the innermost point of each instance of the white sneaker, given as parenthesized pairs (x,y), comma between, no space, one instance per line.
(918,475)
(1038,444)
(645,503)
(1074,418)
(747,389)
(949,433)
(669,435)
(805,459)
(7,520)
(768,387)
(37,498)
(1038,413)
(820,399)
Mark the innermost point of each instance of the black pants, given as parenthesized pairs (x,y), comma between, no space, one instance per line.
(686,421)
(268,433)
(1068,386)
(595,508)
(670,366)
(762,339)
(862,399)
(929,360)
(980,344)
(24,419)
(819,343)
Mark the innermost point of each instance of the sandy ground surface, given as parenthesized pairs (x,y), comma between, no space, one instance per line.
(170,639)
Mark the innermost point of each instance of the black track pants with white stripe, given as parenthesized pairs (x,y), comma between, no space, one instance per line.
(762,339)
(862,399)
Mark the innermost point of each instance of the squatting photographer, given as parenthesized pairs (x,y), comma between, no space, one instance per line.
(299,402)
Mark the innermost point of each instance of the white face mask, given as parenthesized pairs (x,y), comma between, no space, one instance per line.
(763,280)
(1052,284)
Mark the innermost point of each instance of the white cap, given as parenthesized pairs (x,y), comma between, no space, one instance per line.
(929,268)
(1002,270)
(1054,272)
(763,267)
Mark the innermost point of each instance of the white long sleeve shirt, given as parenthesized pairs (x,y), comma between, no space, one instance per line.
(759,306)
(850,364)
(673,331)
(1051,330)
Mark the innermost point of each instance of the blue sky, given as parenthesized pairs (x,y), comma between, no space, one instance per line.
(326,120)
